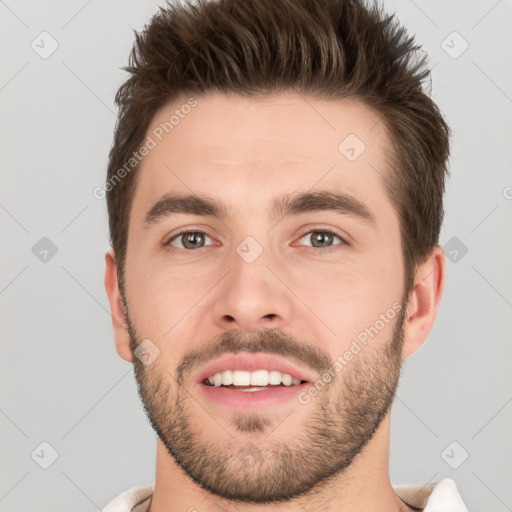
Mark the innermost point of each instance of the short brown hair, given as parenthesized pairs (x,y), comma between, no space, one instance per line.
(330,49)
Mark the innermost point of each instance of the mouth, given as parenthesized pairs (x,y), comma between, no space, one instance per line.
(250,382)
(259,380)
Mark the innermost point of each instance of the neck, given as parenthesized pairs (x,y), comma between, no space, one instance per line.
(364,486)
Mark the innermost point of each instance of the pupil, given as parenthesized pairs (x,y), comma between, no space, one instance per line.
(322,238)
(191,240)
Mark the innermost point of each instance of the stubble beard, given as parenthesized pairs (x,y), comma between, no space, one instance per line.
(252,463)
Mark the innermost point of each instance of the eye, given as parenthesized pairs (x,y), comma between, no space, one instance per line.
(192,240)
(321,239)
(189,240)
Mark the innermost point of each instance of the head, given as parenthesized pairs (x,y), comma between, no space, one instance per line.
(260,119)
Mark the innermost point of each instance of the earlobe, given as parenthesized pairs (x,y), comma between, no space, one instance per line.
(424,301)
(121,335)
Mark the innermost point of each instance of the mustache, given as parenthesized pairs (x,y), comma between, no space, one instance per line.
(268,341)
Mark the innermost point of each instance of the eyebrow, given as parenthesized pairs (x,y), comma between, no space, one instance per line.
(291,204)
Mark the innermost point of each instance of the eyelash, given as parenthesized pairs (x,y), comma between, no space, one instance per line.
(321,249)
(330,232)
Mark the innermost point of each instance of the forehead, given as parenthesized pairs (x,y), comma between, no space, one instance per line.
(251,150)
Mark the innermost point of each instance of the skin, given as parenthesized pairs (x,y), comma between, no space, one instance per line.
(329,454)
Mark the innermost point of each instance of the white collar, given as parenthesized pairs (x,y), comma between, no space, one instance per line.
(441,496)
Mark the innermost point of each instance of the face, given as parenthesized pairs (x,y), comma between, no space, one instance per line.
(261,237)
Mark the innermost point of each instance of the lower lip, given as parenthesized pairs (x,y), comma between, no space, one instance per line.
(250,401)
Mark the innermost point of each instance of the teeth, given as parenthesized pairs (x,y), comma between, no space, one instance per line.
(227,377)
(256,378)
(217,379)
(241,378)
(274,377)
(287,379)
(259,378)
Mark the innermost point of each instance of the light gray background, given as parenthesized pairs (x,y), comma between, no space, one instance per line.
(62,381)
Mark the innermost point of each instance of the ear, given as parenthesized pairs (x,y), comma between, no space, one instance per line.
(424,301)
(121,335)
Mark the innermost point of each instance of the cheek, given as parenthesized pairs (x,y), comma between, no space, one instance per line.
(352,298)
(165,296)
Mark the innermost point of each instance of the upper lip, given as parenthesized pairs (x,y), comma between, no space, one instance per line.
(251,362)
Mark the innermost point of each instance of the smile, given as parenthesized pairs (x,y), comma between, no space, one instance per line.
(257,380)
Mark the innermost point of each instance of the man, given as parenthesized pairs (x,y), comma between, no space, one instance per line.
(275,198)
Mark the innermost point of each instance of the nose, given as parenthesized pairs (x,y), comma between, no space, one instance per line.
(251,297)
